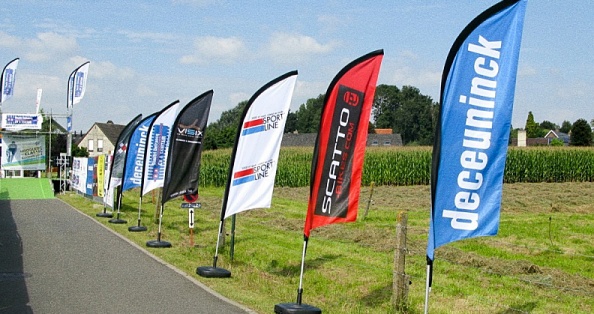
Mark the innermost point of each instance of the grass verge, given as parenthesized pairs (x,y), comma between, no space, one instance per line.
(542,260)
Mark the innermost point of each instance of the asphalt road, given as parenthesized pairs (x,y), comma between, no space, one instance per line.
(53,259)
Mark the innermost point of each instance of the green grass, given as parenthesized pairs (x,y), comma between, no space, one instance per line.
(527,268)
(25,188)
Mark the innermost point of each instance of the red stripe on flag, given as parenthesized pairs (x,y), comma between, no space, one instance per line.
(243,173)
(253,123)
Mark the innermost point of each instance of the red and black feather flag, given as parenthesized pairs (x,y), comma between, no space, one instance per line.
(340,146)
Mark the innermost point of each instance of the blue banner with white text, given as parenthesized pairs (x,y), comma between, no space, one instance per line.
(135,157)
(477,96)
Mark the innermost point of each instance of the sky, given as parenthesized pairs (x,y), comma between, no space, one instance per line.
(146,54)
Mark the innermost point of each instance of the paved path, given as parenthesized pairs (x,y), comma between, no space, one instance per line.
(53,259)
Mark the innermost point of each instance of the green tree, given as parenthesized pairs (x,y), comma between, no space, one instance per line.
(79,151)
(291,124)
(222,133)
(405,111)
(557,142)
(309,114)
(385,106)
(548,125)
(533,129)
(581,133)
(565,127)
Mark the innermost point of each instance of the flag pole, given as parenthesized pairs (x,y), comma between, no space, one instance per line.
(138,227)
(158,243)
(299,306)
(232,248)
(214,271)
(117,219)
(104,213)
(216,256)
(300,289)
(428,283)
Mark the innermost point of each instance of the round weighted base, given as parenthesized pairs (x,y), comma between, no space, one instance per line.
(213,272)
(294,308)
(137,228)
(105,215)
(158,244)
(117,221)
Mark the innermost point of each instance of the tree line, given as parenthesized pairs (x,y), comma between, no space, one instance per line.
(404,110)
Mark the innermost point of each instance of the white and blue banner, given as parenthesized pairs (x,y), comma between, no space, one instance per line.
(135,157)
(469,153)
(91,181)
(157,148)
(77,84)
(78,174)
(255,156)
(7,80)
(21,121)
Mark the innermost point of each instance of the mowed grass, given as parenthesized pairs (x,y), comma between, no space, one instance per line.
(542,260)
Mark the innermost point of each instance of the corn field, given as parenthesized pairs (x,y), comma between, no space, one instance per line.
(412,165)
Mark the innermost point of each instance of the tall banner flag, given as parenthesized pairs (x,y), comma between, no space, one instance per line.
(255,157)
(340,146)
(120,152)
(183,164)
(472,133)
(7,80)
(155,156)
(38,100)
(117,164)
(135,156)
(77,84)
(339,151)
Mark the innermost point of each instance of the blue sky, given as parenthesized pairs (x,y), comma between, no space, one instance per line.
(146,54)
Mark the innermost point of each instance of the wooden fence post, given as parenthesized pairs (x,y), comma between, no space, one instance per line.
(401,280)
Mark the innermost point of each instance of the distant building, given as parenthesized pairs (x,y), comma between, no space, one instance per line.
(383,131)
(523,141)
(101,138)
(557,135)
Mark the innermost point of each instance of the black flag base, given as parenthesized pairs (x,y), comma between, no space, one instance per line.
(117,221)
(158,244)
(137,228)
(213,272)
(104,215)
(295,308)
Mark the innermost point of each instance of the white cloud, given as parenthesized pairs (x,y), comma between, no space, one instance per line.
(291,48)
(415,77)
(149,36)
(48,45)
(143,90)
(9,41)
(110,71)
(215,49)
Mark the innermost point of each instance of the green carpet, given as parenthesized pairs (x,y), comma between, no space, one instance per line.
(25,189)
